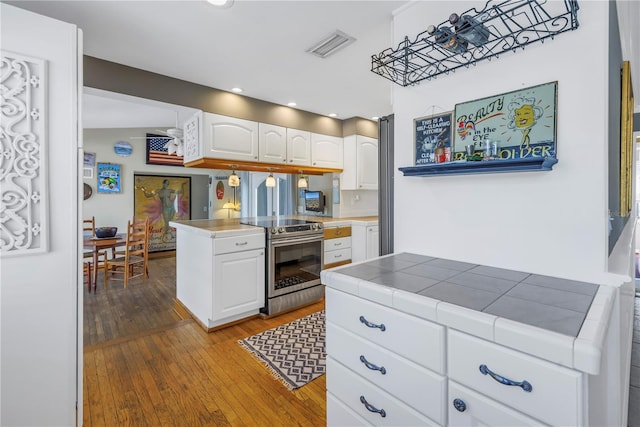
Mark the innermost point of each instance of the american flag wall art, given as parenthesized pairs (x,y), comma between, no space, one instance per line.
(157,154)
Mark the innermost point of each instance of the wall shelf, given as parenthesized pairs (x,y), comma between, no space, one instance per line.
(484,166)
(510,24)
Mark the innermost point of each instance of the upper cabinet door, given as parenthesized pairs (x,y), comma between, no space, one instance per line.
(193,137)
(326,151)
(272,143)
(230,138)
(298,147)
(367,163)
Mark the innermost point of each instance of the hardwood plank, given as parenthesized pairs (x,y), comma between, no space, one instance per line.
(145,366)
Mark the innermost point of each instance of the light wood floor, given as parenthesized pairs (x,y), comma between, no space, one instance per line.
(144,366)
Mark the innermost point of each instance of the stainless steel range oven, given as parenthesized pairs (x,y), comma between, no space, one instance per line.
(295,251)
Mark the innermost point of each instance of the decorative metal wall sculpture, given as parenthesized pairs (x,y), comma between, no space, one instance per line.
(23,157)
(473,36)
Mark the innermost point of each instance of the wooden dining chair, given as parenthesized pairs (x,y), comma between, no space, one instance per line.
(89,229)
(133,263)
(87,267)
(89,226)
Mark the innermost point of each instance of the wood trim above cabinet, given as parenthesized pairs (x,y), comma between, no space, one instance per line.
(337,232)
(209,163)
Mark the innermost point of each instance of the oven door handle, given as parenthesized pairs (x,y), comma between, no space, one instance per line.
(296,240)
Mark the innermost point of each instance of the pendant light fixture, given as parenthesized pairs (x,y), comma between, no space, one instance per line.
(234,180)
(271,181)
(302,181)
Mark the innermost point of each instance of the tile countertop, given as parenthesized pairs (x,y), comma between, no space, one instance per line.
(559,320)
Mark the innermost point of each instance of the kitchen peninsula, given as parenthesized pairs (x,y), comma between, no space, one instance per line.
(222,268)
(419,340)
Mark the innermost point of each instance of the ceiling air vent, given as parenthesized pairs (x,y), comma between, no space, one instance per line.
(330,44)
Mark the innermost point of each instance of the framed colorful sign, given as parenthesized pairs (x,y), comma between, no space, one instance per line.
(157,154)
(523,123)
(432,138)
(162,199)
(109,178)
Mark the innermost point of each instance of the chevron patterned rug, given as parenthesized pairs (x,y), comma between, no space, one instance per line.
(293,352)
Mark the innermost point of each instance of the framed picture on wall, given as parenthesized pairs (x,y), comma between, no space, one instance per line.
(158,153)
(626,141)
(109,178)
(162,199)
(432,139)
(522,122)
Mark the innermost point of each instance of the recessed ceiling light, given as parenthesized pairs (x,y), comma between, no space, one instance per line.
(374,118)
(236,90)
(221,3)
(292,104)
(332,115)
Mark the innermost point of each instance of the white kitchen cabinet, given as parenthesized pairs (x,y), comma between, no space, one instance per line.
(279,145)
(360,170)
(476,368)
(326,151)
(229,138)
(219,276)
(238,277)
(365,241)
(397,361)
(298,147)
(272,143)
(337,246)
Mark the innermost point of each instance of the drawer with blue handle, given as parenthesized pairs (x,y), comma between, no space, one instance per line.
(533,386)
(413,338)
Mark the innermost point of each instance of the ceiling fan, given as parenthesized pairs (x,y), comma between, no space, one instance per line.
(174,144)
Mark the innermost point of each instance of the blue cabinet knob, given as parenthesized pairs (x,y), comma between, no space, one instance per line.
(459,405)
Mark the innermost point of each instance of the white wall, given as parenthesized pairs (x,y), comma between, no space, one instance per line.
(116,209)
(39,304)
(551,223)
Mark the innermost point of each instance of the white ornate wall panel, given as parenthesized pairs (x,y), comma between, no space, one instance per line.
(23,156)
(192,136)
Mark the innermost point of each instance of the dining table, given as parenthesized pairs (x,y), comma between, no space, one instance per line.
(97,244)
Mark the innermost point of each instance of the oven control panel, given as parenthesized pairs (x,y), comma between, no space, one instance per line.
(297,229)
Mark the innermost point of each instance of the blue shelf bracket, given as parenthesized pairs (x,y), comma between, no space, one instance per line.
(483,166)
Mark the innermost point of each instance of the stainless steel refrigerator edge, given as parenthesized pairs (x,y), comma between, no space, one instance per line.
(385,184)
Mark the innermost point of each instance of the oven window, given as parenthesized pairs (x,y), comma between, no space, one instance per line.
(297,263)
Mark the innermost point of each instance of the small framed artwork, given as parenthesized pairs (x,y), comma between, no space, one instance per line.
(432,138)
(521,123)
(109,178)
(87,172)
(89,159)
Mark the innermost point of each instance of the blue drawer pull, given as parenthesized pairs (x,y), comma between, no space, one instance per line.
(372,325)
(525,385)
(371,408)
(372,366)
(459,405)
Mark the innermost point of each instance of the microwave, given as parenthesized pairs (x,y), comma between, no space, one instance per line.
(314,201)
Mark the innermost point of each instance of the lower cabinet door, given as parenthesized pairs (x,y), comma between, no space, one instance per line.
(468,408)
(369,402)
(238,283)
